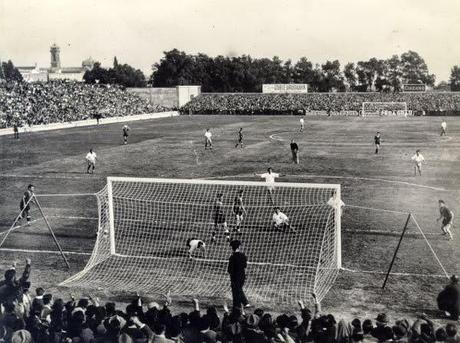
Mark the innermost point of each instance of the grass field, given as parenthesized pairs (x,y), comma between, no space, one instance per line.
(332,150)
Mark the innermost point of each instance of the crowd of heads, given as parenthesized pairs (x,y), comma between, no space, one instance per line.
(303,103)
(25,104)
(41,317)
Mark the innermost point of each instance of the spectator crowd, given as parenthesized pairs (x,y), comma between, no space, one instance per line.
(43,318)
(23,103)
(255,103)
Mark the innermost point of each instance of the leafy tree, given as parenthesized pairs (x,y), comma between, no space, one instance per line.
(332,77)
(394,72)
(97,74)
(455,79)
(442,86)
(127,76)
(415,70)
(349,72)
(9,72)
(115,62)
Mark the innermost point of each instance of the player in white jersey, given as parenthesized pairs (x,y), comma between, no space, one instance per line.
(281,221)
(302,124)
(336,203)
(443,128)
(418,159)
(239,210)
(270,177)
(208,139)
(91,160)
(195,244)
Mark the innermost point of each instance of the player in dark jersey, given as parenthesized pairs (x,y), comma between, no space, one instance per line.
(125,133)
(219,218)
(238,210)
(447,217)
(377,142)
(24,205)
(240,138)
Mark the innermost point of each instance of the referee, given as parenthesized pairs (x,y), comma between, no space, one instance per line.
(236,268)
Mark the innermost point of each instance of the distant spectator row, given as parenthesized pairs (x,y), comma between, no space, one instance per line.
(63,101)
(304,103)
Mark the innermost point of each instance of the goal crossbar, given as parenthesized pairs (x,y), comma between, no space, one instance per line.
(144,225)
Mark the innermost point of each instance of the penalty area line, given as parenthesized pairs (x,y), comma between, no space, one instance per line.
(57,252)
(393,273)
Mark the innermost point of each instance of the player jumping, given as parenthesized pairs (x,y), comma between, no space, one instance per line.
(269,177)
(24,205)
(219,218)
(240,138)
(447,217)
(195,244)
(377,141)
(418,159)
(208,139)
(281,221)
(239,210)
(125,134)
(91,160)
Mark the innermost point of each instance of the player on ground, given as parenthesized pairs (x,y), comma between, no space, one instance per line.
(219,218)
(447,217)
(377,141)
(240,138)
(302,124)
(91,160)
(270,177)
(125,133)
(208,139)
(25,202)
(239,210)
(443,128)
(281,221)
(195,244)
(418,159)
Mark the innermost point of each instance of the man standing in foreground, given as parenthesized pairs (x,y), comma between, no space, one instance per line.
(295,152)
(237,264)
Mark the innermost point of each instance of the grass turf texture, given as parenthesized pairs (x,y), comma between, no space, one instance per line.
(332,150)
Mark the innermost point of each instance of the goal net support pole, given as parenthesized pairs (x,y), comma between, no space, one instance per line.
(144,225)
(34,199)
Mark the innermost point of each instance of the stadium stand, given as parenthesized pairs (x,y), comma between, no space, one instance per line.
(255,103)
(43,318)
(63,101)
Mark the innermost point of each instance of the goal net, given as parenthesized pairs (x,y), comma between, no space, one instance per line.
(144,225)
(385,108)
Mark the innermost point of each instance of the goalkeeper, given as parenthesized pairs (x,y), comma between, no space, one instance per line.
(281,221)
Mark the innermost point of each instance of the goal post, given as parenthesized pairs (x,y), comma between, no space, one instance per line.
(144,225)
(384,108)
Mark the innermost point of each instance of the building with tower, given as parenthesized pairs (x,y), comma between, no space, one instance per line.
(56,71)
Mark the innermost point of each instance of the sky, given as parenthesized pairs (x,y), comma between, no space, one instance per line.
(138,31)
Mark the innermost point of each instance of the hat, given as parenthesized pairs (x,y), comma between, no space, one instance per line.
(454,278)
(293,322)
(153,304)
(21,336)
(399,330)
(382,318)
(252,320)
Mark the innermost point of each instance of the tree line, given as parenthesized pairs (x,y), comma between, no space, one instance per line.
(247,74)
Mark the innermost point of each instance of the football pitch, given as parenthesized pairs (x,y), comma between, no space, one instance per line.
(378,190)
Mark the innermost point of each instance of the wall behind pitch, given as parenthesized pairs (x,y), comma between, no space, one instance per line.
(167,97)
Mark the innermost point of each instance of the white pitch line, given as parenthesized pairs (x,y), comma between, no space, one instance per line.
(45,251)
(393,273)
(22,176)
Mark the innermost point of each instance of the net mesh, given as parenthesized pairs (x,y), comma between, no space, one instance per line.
(152,219)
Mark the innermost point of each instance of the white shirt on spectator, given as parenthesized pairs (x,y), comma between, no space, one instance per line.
(418,159)
(280,218)
(91,157)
